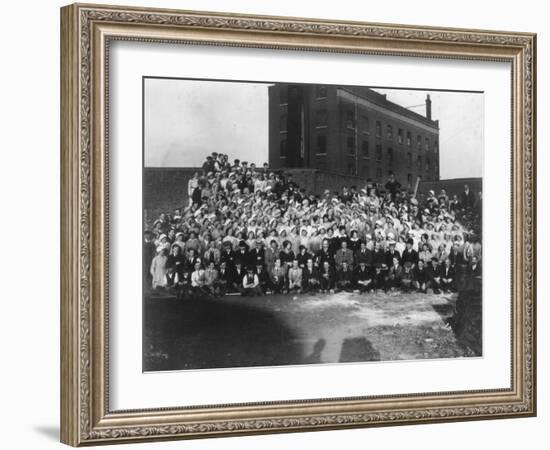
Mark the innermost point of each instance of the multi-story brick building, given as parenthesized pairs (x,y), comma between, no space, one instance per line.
(351,130)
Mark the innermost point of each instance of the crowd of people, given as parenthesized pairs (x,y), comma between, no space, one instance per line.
(253,231)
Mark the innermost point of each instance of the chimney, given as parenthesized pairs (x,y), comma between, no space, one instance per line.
(428,107)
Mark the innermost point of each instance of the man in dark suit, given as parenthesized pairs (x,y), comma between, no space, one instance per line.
(310,277)
(242,254)
(326,276)
(363,278)
(225,283)
(467,198)
(447,275)
(434,276)
(391,253)
(325,255)
(344,278)
(363,255)
(256,253)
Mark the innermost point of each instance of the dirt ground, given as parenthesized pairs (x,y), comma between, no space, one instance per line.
(306,329)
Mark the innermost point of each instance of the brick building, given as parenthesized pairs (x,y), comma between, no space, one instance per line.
(351,130)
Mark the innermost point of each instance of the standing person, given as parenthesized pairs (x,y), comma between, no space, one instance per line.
(325,255)
(409,254)
(192,184)
(159,268)
(251,284)
(343,255)
(363,278)
(271,254)
(392,185)
(363,255)
(391,253)
(295,277)
(149,252)
(467,198)
(172,280)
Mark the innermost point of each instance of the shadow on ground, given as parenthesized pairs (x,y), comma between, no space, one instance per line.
(211,333)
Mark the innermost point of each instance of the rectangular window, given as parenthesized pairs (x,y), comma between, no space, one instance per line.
(351,168)
(365,149)
(283,96)
(378,129)
(349,119)
(419,162)
(409,159)
(283,124)
(409,138)
(321,144)
(350,145)
(426,144)
(390,155)
(409,179)
(378,173)
(389,132)
(321,118)
(427,164)
(282,148)
(400,135)
(321,92)
(378,152)
(418,142)
(364,126)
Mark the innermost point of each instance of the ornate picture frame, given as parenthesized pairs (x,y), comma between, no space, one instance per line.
(86,32)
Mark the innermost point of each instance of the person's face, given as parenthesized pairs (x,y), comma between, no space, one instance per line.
(326,265)
(295,263)
(197,266)
(222,266)
(420,264)
(344,245)
(447,262)
(325,245)
(211,266)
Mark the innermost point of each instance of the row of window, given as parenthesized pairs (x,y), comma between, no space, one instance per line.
(321,121)
(365,152)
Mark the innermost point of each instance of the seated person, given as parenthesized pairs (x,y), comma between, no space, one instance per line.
(434,275)
(310,277)
(393,278)
(225,282)
(210,277)
(363,278)
(263,278)
(251,284)
(326,277)
(420,281)
(295,277)
(447,274)
(278,277)
(197,280)
(379,277)
(407,277)
(344,277)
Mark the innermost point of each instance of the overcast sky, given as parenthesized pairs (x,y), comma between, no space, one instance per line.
(185,120)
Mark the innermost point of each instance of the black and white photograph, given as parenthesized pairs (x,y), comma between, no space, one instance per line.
(293,224)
